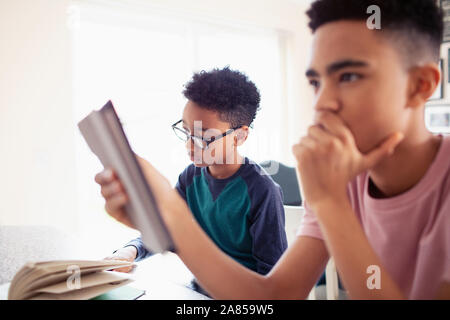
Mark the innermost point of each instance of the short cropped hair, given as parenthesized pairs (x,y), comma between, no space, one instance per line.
(229,92)
(416,26)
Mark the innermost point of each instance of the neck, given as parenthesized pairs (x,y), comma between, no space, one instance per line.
(406,167)
(223,171)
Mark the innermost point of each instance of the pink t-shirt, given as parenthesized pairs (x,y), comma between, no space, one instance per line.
(410,233)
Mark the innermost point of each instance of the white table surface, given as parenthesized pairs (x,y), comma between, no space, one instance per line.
(163,277)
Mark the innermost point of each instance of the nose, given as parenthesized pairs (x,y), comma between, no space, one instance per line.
(327,99)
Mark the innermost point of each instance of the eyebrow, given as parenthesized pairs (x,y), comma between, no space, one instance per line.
(203,129)
(336,66)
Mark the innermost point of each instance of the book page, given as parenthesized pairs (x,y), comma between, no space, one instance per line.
(38,274)
(86,281)
(82,294)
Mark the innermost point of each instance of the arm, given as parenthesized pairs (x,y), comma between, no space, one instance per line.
(352,251)
(291,278)
(327,160)
(443,291)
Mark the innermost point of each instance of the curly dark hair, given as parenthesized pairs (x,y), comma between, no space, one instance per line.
(417,25)
(229,92)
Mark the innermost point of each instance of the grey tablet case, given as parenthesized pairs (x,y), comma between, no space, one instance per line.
(104,134)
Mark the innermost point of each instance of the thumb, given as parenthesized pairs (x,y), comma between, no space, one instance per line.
(381,152)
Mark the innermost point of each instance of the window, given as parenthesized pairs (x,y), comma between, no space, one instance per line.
(140,60)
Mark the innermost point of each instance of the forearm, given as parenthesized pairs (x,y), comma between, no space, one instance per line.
(216,272)
(352,251)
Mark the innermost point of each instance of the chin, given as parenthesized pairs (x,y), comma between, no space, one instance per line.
(367,146)
(200,165)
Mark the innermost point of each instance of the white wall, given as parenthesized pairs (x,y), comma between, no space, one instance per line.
(36,132)
(37,162)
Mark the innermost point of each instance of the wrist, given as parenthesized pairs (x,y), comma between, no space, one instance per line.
(131,250)
(332,200)
(334,214)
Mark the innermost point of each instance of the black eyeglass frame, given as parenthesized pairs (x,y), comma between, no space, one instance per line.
(207,141)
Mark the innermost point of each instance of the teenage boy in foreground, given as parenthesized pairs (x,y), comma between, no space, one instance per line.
(233,200)
(376,182)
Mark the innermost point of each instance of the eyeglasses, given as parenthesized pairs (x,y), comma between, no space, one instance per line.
(199,142)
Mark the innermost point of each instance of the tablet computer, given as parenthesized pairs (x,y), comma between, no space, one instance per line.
(105,136)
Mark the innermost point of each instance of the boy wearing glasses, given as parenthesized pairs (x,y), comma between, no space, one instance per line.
(235,202)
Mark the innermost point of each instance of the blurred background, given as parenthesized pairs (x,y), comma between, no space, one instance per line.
(61,59)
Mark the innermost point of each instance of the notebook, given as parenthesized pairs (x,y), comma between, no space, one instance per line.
(122,293)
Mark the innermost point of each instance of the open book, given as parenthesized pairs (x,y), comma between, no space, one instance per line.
(67,280)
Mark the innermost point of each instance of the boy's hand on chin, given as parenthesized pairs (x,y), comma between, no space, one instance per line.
(328,158)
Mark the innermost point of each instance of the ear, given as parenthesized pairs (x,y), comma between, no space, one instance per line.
(241,136)
(423,83)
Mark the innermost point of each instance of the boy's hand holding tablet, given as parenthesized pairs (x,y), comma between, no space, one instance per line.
(116,198)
